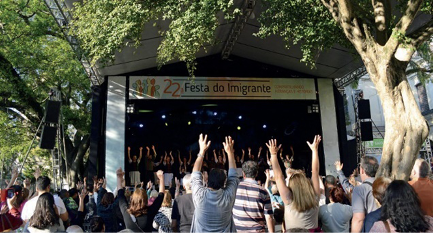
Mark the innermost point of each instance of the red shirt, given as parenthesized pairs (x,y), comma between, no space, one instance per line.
(424,189)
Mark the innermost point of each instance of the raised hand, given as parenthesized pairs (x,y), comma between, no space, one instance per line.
(339,165)
(267,173)
(177,183)
(147,148)
(141,148)
(27,183)
(160,174)
(119,173)
(243,151)
(315,143)
(153,147)
(129,148)
(79,185)
(82,194)
(203,144)
(272,146)
(228,145)
(37,173)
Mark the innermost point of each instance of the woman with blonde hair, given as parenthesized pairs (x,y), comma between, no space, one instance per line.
(139,216)
(301,196)
(163,220)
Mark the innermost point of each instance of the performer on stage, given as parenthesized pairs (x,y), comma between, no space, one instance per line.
(134,168)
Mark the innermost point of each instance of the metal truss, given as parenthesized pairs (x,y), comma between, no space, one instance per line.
(350,77)
(238,26)
(60,13)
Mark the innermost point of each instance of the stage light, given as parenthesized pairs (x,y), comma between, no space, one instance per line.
(163,116)
(240,117)
(194,112)
(215,113)
(166,124)
(189,123)
(264,126)
(141,125)
(239,127)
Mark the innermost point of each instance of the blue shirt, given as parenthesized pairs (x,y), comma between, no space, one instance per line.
(213,209)
(370,219)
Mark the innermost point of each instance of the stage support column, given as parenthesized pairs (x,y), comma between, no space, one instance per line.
(115,128)
(329,125)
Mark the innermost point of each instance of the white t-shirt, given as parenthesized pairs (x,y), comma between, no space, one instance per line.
(30,206)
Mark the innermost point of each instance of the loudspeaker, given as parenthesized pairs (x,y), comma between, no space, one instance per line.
(52,112)
(364,109)
(366,131)
(48,137)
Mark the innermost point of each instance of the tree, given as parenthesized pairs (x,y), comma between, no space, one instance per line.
(34,57)
(377,30)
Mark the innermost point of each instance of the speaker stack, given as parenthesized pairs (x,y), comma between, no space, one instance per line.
(365,114)
(48,137)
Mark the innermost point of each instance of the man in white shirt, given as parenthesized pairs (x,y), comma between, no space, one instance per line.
(43,186)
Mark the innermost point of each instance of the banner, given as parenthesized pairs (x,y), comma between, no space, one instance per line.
(158,87)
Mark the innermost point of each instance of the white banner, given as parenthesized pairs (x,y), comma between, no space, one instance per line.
(159,87)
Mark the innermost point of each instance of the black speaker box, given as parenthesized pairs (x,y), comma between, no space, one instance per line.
(364,109)
(366,131)
(48,137)
(52,112)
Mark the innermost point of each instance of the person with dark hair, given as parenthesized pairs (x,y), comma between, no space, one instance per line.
(301,196)
(134,167)
(149,163)
(252,209)
(330,182)
(46,215)
(363,202)
(163,220)
(423,185)
(183,208)
(139,216)
(378,190)
(97,224)
(105,205)
(43,186)
(335,216)
(213,205)
(401,211)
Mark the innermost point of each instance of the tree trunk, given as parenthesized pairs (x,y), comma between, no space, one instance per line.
(78,162)
(406,128)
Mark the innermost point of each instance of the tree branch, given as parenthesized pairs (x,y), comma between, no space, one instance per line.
(401,27)
(382,14)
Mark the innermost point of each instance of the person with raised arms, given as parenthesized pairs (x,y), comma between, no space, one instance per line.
(213,204)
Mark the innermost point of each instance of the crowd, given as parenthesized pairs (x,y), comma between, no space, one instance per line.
(227,195)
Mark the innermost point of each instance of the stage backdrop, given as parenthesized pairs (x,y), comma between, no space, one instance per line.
(148,87)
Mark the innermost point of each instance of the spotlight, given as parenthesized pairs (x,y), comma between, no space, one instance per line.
(194,112)
(240,117)
(189,123)
(141,125)
(163,116)
(264,126)
(239,127)
(166,124)
(215,113)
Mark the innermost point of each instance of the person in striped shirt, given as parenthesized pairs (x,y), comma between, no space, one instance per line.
(252,209)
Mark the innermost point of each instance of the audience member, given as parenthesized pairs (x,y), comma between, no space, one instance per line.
(97,224)
(301,197)
(378,190)
(275,197)
(363,201)
(163,220)
(74,229)
(10,217)
(213,204)
(106,208)
(139,216)
(423,185)
(330,182)
(45,217)
(183,208)
(43,186)
(252,209)
(335,216)
(401,211)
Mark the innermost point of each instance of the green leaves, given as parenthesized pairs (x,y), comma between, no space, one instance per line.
(306,22)
(105,26)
